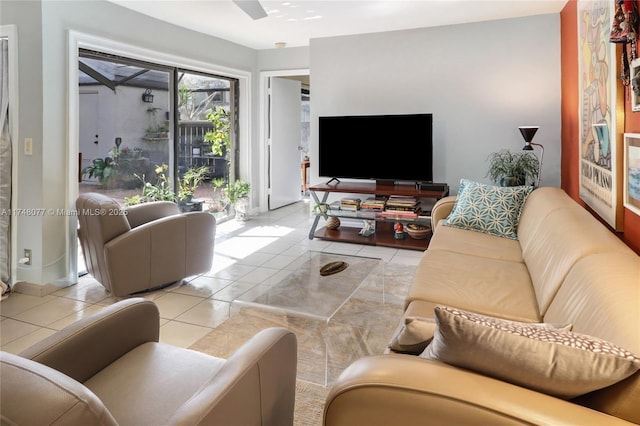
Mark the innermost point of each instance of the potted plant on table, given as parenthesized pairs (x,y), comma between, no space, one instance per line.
(508,168)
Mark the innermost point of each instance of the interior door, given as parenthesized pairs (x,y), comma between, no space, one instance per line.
(285,180)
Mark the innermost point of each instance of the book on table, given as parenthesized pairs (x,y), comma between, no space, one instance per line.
(372,204)
(350,204)
(402,213)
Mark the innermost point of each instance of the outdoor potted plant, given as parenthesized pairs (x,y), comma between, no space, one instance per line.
(100,168)
(187,186)
(237,194)
(508,168)
(119,169)
(160,191)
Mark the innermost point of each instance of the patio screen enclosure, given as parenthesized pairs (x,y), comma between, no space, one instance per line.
(149,123)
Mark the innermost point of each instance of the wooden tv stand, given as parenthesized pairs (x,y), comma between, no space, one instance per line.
(384,235)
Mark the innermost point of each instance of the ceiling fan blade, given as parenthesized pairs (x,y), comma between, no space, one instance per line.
(253,8)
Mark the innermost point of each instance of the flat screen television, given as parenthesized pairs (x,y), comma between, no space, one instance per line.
(381,147)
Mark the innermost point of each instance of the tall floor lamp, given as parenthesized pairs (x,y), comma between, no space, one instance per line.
(527,133)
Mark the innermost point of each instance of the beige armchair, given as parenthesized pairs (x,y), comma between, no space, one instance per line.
(109,369)
(138,248)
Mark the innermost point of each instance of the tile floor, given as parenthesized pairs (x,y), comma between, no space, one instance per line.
(245,255)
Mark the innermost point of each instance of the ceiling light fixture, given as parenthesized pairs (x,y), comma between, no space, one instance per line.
(280,45)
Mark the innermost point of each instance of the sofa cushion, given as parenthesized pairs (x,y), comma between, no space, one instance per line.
(489,209)
(552,361)
(488,286)
(540,203)
(566,236)
(610,312)
(475,243)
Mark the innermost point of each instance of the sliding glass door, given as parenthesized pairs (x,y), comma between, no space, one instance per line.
(149,132)
(205,139)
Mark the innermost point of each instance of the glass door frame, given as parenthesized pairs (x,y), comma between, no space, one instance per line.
(78,40)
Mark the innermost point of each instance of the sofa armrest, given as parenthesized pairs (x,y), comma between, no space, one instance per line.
(85,347)
(148,212)
(441,210)
(408,390)
(34,394)
(255,386)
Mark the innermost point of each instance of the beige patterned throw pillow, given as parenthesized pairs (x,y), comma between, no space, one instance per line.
(548,360)
(417,332)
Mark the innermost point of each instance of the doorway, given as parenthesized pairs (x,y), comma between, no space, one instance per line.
(285,131)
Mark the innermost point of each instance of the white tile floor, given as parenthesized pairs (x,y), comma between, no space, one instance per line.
(245,255)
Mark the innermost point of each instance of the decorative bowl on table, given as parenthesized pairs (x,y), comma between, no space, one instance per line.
(418,232)
(333,222)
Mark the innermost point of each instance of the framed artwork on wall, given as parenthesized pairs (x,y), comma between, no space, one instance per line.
(632,172)
(600,180)
(635,84)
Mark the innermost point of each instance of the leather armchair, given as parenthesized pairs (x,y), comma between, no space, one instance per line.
(142,247)
(110,369)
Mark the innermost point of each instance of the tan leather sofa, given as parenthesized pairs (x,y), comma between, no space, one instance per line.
(109,369)
(565,267)
(142,247)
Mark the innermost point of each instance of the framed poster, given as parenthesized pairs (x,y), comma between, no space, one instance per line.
(632,172)
(599,142)
(634,74)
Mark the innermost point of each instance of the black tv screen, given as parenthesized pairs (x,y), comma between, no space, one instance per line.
(381,147)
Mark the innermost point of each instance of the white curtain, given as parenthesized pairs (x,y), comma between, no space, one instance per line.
(5,170)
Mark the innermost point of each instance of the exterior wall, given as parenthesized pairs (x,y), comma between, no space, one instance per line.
(123,115)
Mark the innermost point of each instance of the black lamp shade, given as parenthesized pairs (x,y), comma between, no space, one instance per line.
(528,132)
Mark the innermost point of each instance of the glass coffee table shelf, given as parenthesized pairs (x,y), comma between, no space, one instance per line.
(318,309)
(384,235)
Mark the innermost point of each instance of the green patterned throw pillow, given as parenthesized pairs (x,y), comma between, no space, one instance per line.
(493,210)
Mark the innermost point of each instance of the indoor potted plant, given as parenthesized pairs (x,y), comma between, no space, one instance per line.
(512,168)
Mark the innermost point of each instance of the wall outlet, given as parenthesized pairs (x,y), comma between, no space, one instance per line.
(27,255)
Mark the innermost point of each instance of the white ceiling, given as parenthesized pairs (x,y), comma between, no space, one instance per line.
(295,22)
